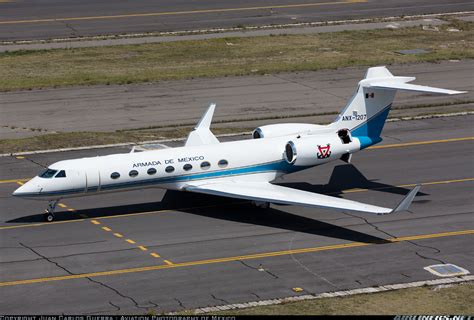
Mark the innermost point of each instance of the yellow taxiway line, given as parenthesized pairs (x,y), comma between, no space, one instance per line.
(410,185)
(95,219)
(408,144)
(15,180)
(172,13)
(170,265)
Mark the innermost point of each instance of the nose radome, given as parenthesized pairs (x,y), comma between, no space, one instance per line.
(26,189)
(19,191)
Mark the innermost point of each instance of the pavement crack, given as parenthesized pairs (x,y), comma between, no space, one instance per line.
(115,306)
(426,257)
(247,265)
(394,138)
(219,299)
(75,32)
(180,303)
(46,258)
(71,244)
(260,268)
(118,293)
(256,295)
(371,224)
(436,250)
(307,269)
(272,274)
(35,162)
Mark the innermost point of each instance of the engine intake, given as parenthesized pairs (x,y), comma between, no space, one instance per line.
(290,152)
(257,133)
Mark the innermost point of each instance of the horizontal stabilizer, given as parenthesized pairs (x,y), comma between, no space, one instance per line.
(267,192)
(394,85)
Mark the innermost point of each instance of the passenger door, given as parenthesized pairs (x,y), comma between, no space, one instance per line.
(92,180)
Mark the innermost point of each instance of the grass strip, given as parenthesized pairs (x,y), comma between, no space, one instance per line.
(230,56)
(457,299)
(137,136)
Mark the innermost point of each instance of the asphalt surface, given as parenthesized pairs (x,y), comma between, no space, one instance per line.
(249,99)
(20,20)
(128,40)
(210,244)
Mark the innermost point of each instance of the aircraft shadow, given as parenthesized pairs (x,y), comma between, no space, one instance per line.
(245,212)
(240,211)
(342,178)
(346,177)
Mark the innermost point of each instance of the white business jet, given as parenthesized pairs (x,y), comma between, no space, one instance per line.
(240,169)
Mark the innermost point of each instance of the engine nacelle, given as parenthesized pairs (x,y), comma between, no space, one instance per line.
(283,129)
(317,149)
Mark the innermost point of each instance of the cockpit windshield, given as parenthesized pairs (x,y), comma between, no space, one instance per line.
(48,173)
(61,174)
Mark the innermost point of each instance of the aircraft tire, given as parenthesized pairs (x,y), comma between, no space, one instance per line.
(48,217)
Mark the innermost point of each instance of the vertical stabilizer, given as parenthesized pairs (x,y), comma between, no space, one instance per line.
(367,111)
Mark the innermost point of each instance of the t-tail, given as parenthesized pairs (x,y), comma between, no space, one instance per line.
(367,111)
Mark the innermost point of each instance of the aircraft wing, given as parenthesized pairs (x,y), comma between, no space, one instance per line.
(267,192)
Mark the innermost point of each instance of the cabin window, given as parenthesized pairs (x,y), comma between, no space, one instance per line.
(133,173)
(61,174)
(187,167)
(223,163)
(169,169)
(115,175)
(205,165)
(151,171)
(48,173)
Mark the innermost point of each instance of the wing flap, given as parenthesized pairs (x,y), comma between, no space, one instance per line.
(267,192)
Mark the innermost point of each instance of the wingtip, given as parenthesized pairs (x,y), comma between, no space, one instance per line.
(407,200)
(206,118)
(457,92)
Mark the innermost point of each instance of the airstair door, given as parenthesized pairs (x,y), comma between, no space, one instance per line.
(92,180)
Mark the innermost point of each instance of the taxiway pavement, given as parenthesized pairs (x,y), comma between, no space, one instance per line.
(25,20)
(146,250)
(247,100)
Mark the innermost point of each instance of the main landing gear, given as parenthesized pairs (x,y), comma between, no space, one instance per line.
(261,204)
(49,213)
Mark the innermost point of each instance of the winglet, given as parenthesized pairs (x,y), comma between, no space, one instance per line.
(206,119)
(406,202)
(202,135)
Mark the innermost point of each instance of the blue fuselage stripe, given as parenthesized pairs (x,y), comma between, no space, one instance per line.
(276,166)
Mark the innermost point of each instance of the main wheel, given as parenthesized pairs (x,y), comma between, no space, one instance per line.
(261,204)
(48,216)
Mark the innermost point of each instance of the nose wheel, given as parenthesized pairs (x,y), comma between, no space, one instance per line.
(49,213)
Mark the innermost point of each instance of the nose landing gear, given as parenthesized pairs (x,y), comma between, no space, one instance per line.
(49,213)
